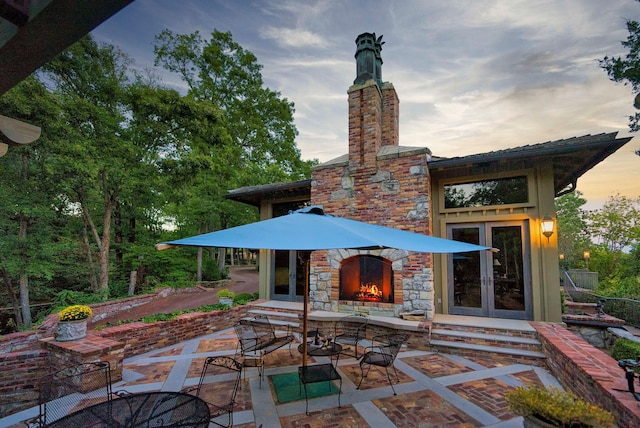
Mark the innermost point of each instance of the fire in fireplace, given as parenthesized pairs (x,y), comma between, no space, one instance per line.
(366,278)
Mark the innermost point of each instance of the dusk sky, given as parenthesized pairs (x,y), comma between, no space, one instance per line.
(472,76)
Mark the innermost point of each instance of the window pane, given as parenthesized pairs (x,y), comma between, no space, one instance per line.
(501,191)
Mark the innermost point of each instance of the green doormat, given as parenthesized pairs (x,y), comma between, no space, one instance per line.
(288,388)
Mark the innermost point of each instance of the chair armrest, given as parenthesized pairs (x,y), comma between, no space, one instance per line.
(378,344)
(120,393)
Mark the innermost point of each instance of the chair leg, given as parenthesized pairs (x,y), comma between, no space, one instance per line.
(389,379)
(363,374)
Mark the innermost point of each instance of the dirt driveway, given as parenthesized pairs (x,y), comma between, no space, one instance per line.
(244,279)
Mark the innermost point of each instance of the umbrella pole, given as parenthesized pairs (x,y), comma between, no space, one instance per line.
(305,313)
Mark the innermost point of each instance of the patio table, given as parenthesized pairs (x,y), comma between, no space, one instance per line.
(318,373)
(153,409)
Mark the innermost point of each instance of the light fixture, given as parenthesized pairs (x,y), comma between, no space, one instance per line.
(547,226)
(587,256)
(561,256)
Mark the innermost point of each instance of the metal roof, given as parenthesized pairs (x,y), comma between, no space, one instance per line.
(571,157)
(253,195)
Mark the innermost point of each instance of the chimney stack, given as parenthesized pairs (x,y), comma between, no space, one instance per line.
(373,105)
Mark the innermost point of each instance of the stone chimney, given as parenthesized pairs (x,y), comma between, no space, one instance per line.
(373,105)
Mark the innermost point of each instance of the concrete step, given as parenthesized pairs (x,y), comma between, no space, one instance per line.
(512,355)
(514,341)
(279,323)
(282,314)
(486,339)
(270,314)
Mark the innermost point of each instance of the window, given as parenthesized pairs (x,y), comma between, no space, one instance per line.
(498,191)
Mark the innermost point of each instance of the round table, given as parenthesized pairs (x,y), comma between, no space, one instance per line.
(329,350)
(153,409)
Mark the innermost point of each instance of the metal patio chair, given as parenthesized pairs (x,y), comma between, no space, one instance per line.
(382,353)
(71,389)
(224,401)
(351,330)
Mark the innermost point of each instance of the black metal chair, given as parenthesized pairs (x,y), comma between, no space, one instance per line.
(70,389)
(382,353)
(224,401)
(351,330)
(257,338)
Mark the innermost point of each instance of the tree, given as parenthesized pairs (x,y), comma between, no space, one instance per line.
(616,225)
(627,69)
(573,236)
(28,224)
(95,159)
(259,120)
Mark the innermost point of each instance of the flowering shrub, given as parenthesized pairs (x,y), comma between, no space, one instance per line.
(563,409)
(75,313)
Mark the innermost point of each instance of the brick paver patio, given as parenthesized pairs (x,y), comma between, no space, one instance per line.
(434,390)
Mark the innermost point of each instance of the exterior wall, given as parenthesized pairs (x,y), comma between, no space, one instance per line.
(545,286)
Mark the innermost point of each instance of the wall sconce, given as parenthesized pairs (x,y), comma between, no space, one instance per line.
(547,226)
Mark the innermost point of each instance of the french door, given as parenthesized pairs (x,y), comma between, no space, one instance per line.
(288,276)
(491,284)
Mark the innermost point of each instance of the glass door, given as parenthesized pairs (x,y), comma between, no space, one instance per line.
(491,284)
(289,275)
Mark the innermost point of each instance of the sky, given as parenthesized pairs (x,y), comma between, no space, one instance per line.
(471,76)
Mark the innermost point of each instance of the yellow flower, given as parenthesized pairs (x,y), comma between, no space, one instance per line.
(75,313)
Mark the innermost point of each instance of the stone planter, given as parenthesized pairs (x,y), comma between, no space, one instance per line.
(225,301)
(71,330)
(532,421)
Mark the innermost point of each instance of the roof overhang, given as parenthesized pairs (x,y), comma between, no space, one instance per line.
(570,158)
(32,32)
(254,195)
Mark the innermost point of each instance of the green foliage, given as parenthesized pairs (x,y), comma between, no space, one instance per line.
(627,69)
(243,298)
(625,349)
(563,409)
(122,157)
(69,297)
(617,224)
(573,236)
(224,293)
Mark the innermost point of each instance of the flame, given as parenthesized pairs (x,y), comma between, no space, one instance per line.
(370,290)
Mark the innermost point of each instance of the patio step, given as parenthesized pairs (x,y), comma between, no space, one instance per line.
(512,341)
(283,314)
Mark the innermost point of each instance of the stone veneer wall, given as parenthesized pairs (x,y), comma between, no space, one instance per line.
(380,183)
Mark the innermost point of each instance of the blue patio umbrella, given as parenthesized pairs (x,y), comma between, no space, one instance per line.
(310,229)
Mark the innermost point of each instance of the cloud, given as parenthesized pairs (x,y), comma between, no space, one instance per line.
(288,37)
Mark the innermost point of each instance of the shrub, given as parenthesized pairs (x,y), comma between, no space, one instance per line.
(243,298)
(224,293)
(559,408)
(625,349)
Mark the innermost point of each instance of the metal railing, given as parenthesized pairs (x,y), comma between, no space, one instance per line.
(625,309)
(584,278)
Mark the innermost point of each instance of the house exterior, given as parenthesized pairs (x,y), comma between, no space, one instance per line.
(496,199)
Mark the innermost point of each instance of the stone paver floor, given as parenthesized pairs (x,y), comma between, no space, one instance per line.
(434,390)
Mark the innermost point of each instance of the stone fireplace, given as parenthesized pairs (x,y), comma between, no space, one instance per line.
(366,278)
